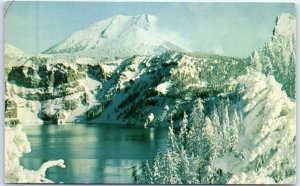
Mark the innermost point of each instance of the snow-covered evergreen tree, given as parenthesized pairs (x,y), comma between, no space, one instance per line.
(217,131)
(291,77)
(234,132)
(170,169)
(184,168)
(135,175)
(172,140)
(183,131)
(157,170)
(194,135)
(147,172)
(208,151)
(226,129)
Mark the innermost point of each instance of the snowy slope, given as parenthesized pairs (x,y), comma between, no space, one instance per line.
(13,51)
(116,36)
(14,56)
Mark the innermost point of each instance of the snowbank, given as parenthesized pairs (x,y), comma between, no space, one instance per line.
(16,143)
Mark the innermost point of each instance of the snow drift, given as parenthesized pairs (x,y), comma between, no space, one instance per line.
(16,144)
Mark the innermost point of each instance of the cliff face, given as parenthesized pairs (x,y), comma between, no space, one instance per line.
(278,56)
(121,91)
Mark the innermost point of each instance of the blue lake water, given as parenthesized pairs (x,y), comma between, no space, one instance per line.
(92,153)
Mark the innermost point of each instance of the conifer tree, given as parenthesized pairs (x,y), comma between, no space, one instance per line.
(184,167)
(217,130)
(209,138)
(291,78)
(183,131)
(172,142)
(156,170)
(234,131)
(170,169)
(226,129)
(209,177)
(208,150)
(147,173)
(216,120)
(194,134)
(135,175)
(197,115)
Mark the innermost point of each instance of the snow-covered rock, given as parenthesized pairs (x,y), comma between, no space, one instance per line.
(278,56)
(163,88)
(150,118)
(285,25)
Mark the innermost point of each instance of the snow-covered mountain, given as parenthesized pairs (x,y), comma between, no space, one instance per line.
(127,90)
(117,36)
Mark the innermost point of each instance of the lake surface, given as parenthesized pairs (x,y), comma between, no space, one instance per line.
(92,153)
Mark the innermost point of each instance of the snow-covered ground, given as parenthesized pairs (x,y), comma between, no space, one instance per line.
(16,144)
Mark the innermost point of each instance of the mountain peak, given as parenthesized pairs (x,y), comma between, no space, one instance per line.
(285,25)
(118,35)
(142,21)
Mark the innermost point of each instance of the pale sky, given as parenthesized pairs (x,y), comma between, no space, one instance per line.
(232,29)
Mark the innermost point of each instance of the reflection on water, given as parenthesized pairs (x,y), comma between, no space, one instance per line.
(92,153)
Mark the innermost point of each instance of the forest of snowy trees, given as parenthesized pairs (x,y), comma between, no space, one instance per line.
(249,136)
(254,144)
